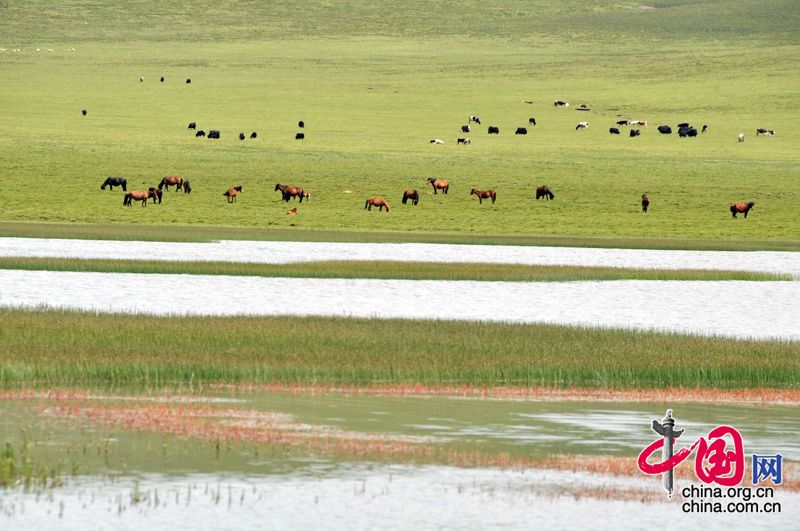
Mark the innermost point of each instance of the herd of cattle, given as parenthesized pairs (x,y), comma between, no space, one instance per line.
(214,134)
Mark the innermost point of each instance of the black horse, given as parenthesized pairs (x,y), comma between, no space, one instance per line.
(115,181)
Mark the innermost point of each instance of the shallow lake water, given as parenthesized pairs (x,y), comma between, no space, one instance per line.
(287,252)
(726,308)
(130,473)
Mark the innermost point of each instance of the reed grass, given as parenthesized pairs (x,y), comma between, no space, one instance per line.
(386,270)
(65,347)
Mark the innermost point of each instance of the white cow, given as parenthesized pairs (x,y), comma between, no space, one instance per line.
(740,137)
(582,125)
(436,141)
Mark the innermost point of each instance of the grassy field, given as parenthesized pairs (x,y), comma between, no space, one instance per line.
(67,347)
(386,270)
(374,84)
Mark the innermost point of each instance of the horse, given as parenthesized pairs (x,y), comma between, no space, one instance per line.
(378,202)
(544,191)
(156,194)
(742,208)
(645,203)
(187,188)
(168,181)
(289,192)
(306,195)
(232,193)
(130,197)
(115,181)
(439,184)
(484,194)
(411,195)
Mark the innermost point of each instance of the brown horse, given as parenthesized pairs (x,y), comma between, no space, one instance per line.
(130,197)
(438,184)
(544,191)
(645,203)
(232,193)
(156,194)
(292,212)
(484,194)
(288,192)
(378,202)
(168,181)
(742,208)
(411,195)
(306,196)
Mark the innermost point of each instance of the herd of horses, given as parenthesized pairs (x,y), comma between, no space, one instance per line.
(153,192)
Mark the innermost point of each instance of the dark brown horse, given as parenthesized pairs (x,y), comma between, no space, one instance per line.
(232,193)
(645,203)
(187,187)
(742,208)
(288,192)
(168,181)
(544,191)
(484,194)
(438,184)
(156,194)
(378,202)
(130,197)
(411,195)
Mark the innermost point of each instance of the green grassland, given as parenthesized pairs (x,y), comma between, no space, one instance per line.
(374,83)
(386,270)
(82,348)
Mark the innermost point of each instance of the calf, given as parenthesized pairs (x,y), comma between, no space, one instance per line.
(740,138)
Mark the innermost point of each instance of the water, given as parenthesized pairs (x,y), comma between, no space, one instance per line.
(736,309)
(288,252)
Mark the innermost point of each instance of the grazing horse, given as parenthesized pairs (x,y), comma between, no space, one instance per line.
(544,191)
(187,188)
(156,194)
(411,195)
(130,197)
(742,208)
(378,202)
(115,181)
(168,181)
(439,184)
(288,192)
(232,193)
(484,194)
(645,203)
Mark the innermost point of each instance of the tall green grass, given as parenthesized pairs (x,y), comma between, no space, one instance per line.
(58,347)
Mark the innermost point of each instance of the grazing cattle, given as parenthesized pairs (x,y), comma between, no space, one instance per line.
(130,197)
(253,135)
(301,124)
(484,194)
(465,129)
(742,208)
(638,123)
(583,107)
(188,81)
(645,203)
(156,194)
(290,192)
(765,132)
(464,141)
(582,125)
(613,131)
(141,78)
(241,136)
(411,195)
(192,125)
(474,119)
(162,79)
(84,112)
(168,181)
(292,212)
(544,191)
(559,103)
(115,181)
(740,137)
(436,141)
(214,134)
(494,130)
(299,136)
(665,129)
(532,121)
(634,133)
(683,132)
(692,132)
(439,184)
(232,193)
(378,202)
(622,122)
(200,133)
(705,128)
(187,188)
(521,131)
(684,125)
